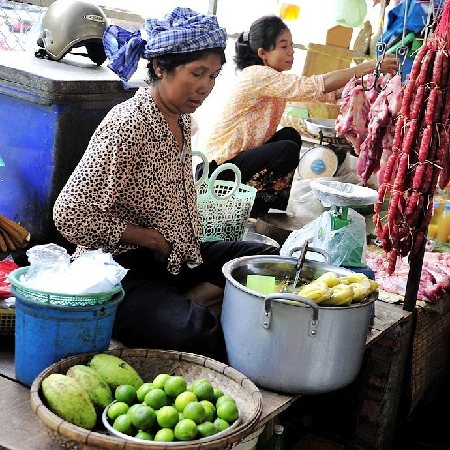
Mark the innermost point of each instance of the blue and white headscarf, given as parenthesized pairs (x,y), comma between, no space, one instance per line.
(181,31)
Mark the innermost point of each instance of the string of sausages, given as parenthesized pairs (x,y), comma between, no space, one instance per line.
(419,152)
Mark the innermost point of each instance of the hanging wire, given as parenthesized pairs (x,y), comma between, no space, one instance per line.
(402,51)
(380,52)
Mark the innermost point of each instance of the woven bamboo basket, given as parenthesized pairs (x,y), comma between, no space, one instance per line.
(149,363)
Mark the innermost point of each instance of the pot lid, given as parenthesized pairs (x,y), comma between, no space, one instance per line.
(318,162)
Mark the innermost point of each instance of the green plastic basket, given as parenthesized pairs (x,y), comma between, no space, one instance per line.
(53,298)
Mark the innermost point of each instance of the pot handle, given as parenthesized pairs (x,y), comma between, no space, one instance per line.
(312,249)
(293,300)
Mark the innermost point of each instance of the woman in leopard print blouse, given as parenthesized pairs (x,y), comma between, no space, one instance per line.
(132,194)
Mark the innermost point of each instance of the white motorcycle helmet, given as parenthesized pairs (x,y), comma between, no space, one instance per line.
(68,24)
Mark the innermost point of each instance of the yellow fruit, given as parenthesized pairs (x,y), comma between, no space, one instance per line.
(143,390)
(342,296)
(228,411)
(206,429)
(183,399)
(145,435)
(156,398)
(167,417)
(160,379)
(329,278)
(186,430)
(373,285)
(69,400)
(210,410)
(317,291)
(360,289)
(143,417)
(117,409)
(124,425)
(115,371)
(98,390)
(125,393)
(175,385)
(164,435)
(221,425)
(203,390)
(195,412)
(354,277)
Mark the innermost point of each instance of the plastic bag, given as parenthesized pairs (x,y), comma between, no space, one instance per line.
(51,271)
(350,13)
(6,267)
(345,246)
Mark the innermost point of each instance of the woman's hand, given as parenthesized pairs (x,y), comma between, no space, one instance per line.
(147,237)
(389,64)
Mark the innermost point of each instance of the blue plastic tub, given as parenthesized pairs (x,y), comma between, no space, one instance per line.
(47,333)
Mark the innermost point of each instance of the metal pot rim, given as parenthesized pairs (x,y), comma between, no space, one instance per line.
(232,264)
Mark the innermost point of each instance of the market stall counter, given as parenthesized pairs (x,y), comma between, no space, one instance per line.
(375,386)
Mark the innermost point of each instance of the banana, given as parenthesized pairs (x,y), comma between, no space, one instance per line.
(317,291)
(8,241)
(360,290)
(373,285)
(3,246)
(329,278)
(16,232)
(353,278)
(342,295)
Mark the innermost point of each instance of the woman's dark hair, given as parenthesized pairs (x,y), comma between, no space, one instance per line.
(170,61)
(263,34)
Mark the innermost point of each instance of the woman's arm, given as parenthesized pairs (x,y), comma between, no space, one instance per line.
(339,78)
(146,237)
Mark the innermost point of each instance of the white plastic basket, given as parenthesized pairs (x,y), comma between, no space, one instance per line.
(224,206)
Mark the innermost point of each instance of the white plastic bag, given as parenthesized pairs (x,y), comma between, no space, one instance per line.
(350,13)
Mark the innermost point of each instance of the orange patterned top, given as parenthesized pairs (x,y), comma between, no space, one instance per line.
(253,111)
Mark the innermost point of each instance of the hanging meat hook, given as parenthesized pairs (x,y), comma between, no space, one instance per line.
(381,50)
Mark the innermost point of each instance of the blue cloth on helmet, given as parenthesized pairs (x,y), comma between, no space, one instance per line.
(181,31)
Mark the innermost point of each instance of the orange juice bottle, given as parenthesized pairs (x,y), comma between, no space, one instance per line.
(443,225)
(438,208)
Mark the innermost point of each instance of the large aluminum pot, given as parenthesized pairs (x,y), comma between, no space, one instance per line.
(288,343)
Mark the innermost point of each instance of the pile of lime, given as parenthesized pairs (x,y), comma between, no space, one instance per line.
(167,409)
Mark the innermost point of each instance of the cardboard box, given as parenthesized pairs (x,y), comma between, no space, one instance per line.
(339,36)
(326,58)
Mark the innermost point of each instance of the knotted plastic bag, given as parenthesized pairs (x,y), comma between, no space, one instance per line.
(350,13)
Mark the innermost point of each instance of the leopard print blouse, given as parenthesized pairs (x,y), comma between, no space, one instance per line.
(132,172)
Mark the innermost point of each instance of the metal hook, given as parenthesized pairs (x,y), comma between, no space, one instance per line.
(401,54)
(381,50)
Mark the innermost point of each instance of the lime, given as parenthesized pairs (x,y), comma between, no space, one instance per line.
(224,398)
(217,393)
(180,416)
(228,411)
(144,388)
(192,385)
(156,398)
(144,435)
(175,385)
(203,390)
(183,399)
(117,409)
(206,429)
(142,417)
(125,393)
(195,412)
(185,430)
(221,424)
(160,379)
(164,435)
(210,410)
(124,425)
(167,417)
(133,407)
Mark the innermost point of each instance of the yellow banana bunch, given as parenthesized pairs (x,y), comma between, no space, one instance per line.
(342,295)
(361,289)
(373,285)
(317,291)
(329,278)
(353,278)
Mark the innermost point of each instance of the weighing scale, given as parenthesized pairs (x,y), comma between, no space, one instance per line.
(339,197)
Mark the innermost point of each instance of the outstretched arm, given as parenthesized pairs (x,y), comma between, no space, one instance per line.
(339,78)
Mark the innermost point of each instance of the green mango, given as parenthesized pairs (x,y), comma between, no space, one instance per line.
(69,400)
(115,371)
(97,388)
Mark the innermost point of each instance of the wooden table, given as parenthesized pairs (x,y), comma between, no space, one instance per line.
(21,429)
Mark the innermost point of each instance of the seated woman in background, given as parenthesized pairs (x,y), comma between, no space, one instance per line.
(132,193)
(246,133)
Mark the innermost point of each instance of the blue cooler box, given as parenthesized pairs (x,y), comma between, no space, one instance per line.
(48,112)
